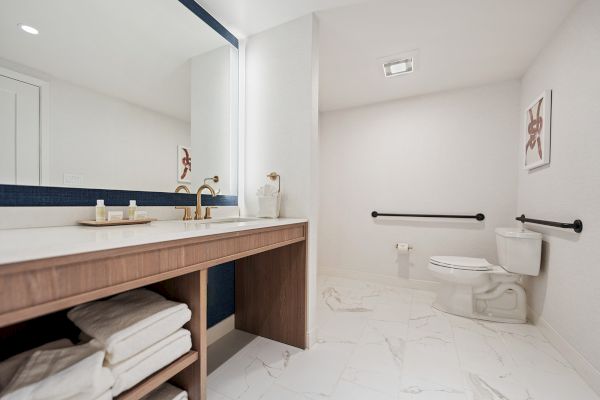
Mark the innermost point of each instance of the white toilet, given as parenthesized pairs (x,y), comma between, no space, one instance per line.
(474,288)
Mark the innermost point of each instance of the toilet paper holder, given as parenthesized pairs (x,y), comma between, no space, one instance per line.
(397,245)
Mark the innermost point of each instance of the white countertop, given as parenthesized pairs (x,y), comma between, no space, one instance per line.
(17,245)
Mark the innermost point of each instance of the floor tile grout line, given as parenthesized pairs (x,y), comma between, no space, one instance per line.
(403,369)
(467,388)
(348,360)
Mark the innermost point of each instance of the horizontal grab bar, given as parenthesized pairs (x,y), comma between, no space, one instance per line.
(478,217)
(577,225)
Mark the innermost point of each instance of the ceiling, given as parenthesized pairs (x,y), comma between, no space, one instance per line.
(137,50)
(459,43)
(247,17)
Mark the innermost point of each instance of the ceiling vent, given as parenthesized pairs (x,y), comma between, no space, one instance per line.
(398,67)
(400,63)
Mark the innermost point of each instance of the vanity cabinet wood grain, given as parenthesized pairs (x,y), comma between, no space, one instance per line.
(271,296)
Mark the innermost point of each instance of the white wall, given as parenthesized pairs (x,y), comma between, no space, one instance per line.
(453,152)
(111,143)
(567,293)
(281,124)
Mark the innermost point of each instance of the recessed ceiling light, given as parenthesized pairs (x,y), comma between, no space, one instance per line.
(398,67)
(29,29)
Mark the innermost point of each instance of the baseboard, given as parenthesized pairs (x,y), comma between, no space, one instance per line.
(583,367)
(379,278)
(221,329)
(311,338)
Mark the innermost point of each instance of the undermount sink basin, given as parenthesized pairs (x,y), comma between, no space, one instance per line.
(223,220)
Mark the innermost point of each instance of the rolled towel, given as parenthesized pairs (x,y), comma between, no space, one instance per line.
(167,392)
(9,367)
(130,322)
(130,372)
(56,374)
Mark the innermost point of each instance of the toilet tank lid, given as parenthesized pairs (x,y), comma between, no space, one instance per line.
(518,233)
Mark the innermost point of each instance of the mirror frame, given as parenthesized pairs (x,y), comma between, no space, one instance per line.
(54,196)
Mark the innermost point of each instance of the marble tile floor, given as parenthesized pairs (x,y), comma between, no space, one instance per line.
(387,343)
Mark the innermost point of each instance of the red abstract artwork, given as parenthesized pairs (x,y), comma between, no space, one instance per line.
(537,131)
(186,161)
(534,128)
(184,164)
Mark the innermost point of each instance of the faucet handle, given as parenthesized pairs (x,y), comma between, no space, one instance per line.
(187,212)
(207,212)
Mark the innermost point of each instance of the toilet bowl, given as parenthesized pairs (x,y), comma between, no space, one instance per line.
(474,288)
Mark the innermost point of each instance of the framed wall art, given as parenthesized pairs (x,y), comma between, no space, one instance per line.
(537,131)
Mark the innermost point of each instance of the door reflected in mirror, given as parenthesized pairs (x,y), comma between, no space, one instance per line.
(134,95)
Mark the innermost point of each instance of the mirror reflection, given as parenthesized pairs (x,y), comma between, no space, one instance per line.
(149,104)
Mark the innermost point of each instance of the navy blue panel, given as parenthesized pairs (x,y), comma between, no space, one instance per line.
(210,21)
(45,196)
(221,293)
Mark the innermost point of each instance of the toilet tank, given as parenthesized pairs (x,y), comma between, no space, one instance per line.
(519,251)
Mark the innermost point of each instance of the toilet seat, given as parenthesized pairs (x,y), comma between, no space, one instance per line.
(464,263)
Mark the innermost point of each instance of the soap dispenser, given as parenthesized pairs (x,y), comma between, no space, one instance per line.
(131,210)
(100,211)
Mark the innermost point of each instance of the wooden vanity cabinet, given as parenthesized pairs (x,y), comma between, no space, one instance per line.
(271,298)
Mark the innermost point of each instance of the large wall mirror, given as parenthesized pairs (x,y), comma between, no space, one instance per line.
(131,95)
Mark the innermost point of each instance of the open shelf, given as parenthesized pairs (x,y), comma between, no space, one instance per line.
(158,378)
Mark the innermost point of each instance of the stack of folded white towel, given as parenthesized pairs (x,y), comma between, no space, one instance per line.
(140,331)
(131,336)
(57,371)
(167,392)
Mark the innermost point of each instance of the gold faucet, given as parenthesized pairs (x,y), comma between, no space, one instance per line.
(198,214)
(187,212)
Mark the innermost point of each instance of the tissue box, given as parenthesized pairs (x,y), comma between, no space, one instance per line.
(268,206)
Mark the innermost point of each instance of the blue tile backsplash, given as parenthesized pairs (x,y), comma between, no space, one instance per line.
(47,196)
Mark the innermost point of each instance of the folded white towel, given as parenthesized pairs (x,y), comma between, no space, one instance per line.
(56,374)
(104,396)
(167,392)
(101,388)
(137,368)
(130,322)
(9,367)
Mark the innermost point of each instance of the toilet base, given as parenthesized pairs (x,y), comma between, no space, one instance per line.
(500,302)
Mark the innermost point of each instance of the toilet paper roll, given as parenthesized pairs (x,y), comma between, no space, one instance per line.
(403,248)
